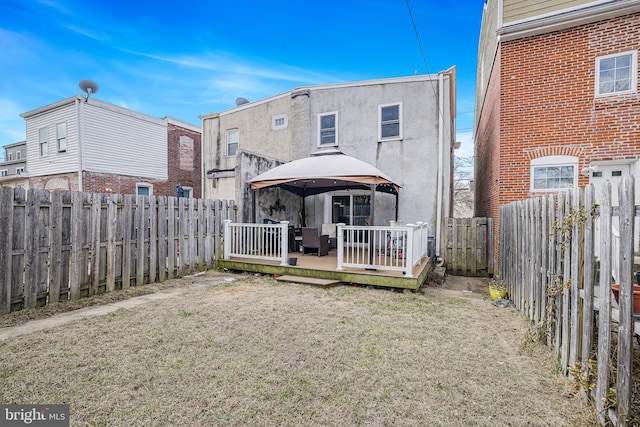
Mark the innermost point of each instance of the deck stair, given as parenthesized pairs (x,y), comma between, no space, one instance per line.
(324,283)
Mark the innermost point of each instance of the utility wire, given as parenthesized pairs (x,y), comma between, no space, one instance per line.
(424,59)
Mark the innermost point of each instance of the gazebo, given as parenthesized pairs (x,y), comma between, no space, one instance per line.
(327,170)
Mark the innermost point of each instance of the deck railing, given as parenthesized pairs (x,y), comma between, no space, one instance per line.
(395,248)
(258,241)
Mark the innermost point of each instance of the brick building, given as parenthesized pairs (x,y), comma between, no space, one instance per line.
(557,104)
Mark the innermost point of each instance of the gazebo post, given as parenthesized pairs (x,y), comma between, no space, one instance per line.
(372,217)
(397,204)
(253,206)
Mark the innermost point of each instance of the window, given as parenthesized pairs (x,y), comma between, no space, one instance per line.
(554,173)
(187,192)
(18,155)
(4,172)
(42,138)
(143,189)
(19,171)
(617,73)
(390,119)
(279,121)
(232,141)
(328,126)
(351,209)
(61,136)
(10,156)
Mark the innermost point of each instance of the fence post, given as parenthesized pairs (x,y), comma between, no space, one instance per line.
(226,238)
(604,303)
(409,255)
(340,236)
(625,300)
(284,242)
(6,247)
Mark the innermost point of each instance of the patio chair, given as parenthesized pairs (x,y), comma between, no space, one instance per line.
(312,241)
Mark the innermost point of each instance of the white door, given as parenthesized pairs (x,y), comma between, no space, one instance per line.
(613,172)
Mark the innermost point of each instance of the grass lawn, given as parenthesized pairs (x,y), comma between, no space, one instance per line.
(255,352)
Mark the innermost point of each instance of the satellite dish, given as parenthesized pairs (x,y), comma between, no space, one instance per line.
(89,87)
(240,101)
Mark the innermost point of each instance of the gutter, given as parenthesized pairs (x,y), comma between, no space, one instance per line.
(440,161)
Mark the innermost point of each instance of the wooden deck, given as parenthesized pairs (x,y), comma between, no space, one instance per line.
(313,266)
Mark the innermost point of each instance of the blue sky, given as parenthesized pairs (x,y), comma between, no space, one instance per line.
(185,59)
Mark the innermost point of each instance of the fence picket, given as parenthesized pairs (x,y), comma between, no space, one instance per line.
(556,239)
(467,244)
(61,245)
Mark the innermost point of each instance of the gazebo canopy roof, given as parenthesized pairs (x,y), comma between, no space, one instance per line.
(325,171)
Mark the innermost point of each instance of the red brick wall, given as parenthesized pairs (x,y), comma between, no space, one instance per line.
(94,182)
(540,102)
(487,153)
(184,160)
(548,107)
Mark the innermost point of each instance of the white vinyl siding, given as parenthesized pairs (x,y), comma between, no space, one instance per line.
(54,162)
(124,144)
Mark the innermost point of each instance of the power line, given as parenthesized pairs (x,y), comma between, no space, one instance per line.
(426,66)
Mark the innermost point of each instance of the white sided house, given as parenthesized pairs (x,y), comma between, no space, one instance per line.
(82,144)
(405,127)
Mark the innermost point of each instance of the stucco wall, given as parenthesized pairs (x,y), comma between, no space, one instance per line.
(411,161)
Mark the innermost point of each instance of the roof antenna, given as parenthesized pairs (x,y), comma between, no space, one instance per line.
(89,87)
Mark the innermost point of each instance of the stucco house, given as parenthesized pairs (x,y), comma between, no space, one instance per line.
(83,144)
(557,102)
(13,170)
(403,126)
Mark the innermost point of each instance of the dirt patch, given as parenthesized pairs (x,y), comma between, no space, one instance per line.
(256,352)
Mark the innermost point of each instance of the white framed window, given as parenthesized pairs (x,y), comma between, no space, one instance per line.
(144,189)
(42,140)
(10,156)
(390,122)
(554,173)
(328,129)
(61,137)
(19,171)
(187,192)
(279,121)
(617,73)
(4,172)
(233,139)
(18,155)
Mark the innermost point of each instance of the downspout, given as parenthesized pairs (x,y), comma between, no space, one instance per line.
(80,153)
(440,161)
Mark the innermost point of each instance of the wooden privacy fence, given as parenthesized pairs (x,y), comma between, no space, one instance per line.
(469,246)
(549,265)
(59,245)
